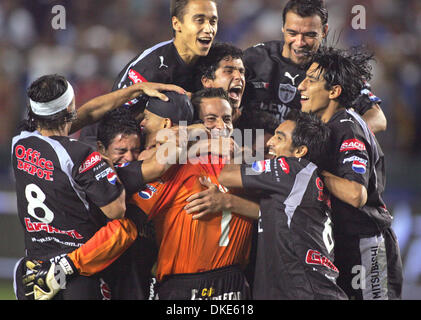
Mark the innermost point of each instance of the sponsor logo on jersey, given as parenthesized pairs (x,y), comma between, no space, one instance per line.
(346,120)
(148,192)
(105,290)
(31,162)
(288,75)
(122,165)
(315,257)
(91,161)
(162,64)
(260,85)
(131,102)
(353,158)
(259,166)
(323,196)
(286,92)
(136,77)
(358,167)
(352,144)
(284,165)
(103,173)
(112,177)
(41,226)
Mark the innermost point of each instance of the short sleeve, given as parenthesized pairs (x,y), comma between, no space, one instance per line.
(97,179)
(270,176)
(131,176)
(352,160)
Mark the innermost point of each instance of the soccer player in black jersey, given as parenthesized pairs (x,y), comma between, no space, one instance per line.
(223,67)
(58,183)
(274,69)
(194,23)
(366,251)
(295,246)
(56,186)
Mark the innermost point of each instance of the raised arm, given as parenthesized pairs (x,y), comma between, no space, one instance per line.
(94,109)
(375,119)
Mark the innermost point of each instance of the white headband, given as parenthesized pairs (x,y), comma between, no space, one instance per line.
(52,107)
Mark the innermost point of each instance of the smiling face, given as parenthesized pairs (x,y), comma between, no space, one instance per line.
(216,113)
(302,35)
(314,95)
(281,142)
(195,33)
(230,76)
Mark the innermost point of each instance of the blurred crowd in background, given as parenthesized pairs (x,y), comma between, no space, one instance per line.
(101,36)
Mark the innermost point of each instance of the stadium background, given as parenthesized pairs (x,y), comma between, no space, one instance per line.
(101,36)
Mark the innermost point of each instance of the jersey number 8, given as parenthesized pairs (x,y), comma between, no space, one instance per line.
(37,201)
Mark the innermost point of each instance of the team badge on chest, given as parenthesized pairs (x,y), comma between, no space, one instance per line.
(286,92)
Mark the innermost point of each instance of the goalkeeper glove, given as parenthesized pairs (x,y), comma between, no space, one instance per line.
(44,280)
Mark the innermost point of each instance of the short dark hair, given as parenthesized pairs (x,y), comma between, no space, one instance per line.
(197,97)
(45,89)
(178,9)
(207,65)
(309,131)
(348,68)
(254,119)
(258,119)
(115,122)
(306,8)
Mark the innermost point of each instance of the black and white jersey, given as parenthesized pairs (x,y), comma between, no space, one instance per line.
(272,80)
(160,63)
(58,181)
(356,155)
(295,245)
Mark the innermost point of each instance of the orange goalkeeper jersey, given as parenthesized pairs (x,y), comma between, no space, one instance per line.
(187,245)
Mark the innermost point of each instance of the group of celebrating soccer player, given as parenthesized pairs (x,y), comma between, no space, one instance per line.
(160,198)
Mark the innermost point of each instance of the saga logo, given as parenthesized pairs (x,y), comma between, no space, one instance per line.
(136,77)
(352,144)
(91,161)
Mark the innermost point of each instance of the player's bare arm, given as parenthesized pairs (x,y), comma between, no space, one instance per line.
(117,208)
(375,119)
(152,168)
(230,176)
(351,192)
(94,109)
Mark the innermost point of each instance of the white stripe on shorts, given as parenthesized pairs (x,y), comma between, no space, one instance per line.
(374,264)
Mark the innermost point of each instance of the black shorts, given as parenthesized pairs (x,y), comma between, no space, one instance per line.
(130,275)
(369,268)
(228,283)
(77,288)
